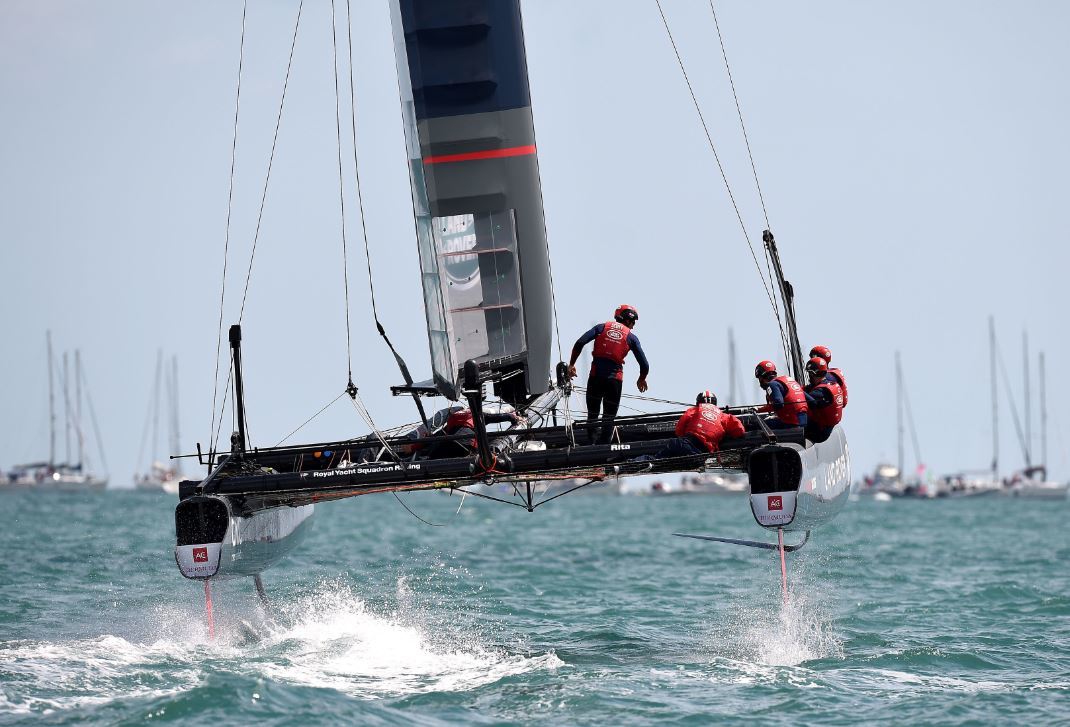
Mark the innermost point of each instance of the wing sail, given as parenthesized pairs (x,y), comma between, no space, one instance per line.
(462,75)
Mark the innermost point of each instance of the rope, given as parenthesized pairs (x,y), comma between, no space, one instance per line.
(724,177)
(785,343)
(341,183)
(271,160)
(325,407)
(1013,408)
(739,112)
(402,366)
(230,206)
(425,522)
(358,404)
(643,398)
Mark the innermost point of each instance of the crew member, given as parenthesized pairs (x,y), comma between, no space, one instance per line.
(824,400)
(461,421)
(612,342)
(834,376)
(785,397)
(701,429)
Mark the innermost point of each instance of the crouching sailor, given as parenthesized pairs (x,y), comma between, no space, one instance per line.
(701,429)
(784,397)
(824,400)
(834,376)
(461,421)
(612,342)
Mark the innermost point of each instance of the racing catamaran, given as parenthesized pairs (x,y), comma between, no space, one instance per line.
(489,304)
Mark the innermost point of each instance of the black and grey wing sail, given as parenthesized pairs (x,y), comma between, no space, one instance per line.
(462,74)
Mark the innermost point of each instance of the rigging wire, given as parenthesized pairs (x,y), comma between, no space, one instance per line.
(341,187)
(230,207)
(425,522)
(582,389)
(271,160)
(739,112)
(717,158)
(325,408)
(913,430)
(767,285)
(93,418)
(358,404)
(1013,408)
(217,430)
(402,366)
(785,343)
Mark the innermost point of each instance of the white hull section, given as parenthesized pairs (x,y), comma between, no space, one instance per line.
(796,488)
(215,541)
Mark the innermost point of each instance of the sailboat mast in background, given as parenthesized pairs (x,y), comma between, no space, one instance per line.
(1043,414)
(1028,414)
(51,407)
(995,397)
(899,414)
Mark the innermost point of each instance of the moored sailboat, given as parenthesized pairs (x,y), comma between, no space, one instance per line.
(72,474)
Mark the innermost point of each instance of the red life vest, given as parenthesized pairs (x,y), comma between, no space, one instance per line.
(612,344)
(828,416)
(709,425)
(461,419)
(794,400)
(838,375)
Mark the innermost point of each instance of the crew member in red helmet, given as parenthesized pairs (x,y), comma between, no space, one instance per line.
(785,397)
(834,376)
(824,401)
(613,340)
(702,428)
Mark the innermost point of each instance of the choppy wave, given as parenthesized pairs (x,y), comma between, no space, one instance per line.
(328,639)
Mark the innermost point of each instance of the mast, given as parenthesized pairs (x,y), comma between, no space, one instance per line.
(899,413)
(995,397)
(1028,416)
(176,437)
(733,373)
(66,412)
(51,408)
(787,296)
(156,409)
(239,394)
(1043,418)
(78,406)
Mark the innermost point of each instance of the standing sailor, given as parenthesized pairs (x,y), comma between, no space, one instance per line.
(612,342)
(824,399)
(701,429)
(785,397)
(834,376)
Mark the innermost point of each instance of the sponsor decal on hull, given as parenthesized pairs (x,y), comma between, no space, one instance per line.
(773,510)
(368,470)
(198,561)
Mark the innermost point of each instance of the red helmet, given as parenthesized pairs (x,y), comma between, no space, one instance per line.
(764,368)
(822,352)
(706,397)
(625,314)
(817,366)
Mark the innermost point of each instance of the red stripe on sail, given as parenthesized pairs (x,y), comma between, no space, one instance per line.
(513,151)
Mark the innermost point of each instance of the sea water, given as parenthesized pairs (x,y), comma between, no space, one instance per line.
(587,611)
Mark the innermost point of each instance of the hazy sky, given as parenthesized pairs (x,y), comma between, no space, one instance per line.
(912,155)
